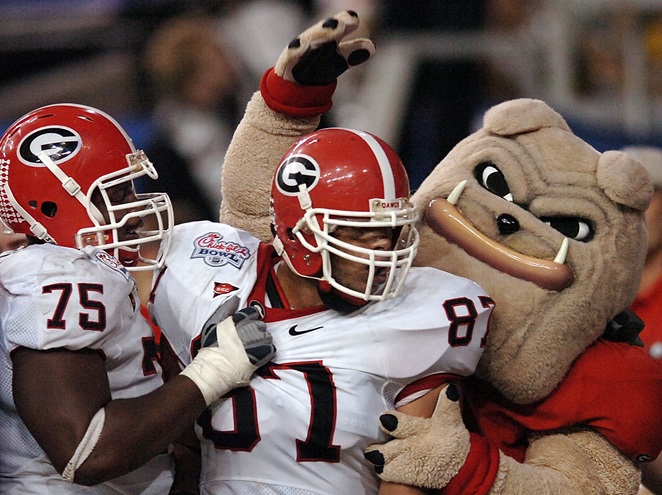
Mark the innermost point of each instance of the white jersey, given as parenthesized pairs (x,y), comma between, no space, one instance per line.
(54,297)
(301,426)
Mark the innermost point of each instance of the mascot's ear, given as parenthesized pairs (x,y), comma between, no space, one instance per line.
(520,116)
(624,180)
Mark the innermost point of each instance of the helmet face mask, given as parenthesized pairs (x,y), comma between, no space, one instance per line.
(393,264)
(62,168)
(343,178)
(119,232)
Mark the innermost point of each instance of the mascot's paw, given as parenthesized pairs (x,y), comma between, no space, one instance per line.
(425,452)
(318,56)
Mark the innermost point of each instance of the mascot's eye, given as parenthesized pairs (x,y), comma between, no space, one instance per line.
(493,180)
(574,228)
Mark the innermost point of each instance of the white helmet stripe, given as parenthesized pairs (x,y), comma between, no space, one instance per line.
(384,164)
(105,115)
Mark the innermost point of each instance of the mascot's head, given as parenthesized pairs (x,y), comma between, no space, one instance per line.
(550,227)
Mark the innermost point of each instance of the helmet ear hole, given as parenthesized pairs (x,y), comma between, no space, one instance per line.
(49,209)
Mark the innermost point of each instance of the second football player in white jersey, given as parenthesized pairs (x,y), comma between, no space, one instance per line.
(83,407)
(356,330)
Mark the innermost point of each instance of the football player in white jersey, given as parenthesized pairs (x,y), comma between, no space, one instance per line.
(82,399)
(356,330)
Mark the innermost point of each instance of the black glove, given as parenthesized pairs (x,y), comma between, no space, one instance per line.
(318,56)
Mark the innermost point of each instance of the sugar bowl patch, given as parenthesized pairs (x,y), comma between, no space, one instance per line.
(215,251)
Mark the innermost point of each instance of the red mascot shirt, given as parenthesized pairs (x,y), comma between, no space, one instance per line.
(649,308)
(613,388)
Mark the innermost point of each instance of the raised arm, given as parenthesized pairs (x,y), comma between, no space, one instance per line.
(292,97)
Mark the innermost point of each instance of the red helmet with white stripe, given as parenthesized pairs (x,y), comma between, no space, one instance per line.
(342,177)
(55,159)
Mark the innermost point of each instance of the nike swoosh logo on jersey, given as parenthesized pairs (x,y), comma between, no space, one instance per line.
(294,331)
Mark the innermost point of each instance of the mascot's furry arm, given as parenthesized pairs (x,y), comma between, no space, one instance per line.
(440,453)
(293,95)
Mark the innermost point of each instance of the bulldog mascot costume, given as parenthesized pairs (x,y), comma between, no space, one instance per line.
(563,400)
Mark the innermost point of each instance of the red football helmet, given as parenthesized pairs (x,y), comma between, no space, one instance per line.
(342,177)
(54,158)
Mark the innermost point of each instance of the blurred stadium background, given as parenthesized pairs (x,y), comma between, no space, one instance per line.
(439,64)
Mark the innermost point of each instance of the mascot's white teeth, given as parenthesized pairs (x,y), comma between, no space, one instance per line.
(447,221)
(456,193)
(459,189)
(563,252)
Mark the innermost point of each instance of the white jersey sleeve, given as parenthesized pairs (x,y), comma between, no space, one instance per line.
(438,325)
(206,263)
(65,298)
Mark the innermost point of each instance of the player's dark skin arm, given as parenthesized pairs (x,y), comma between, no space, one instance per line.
(58,392)
(186,449)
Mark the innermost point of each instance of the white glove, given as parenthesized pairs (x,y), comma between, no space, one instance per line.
(217,369)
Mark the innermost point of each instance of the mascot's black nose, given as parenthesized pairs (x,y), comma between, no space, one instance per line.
(507,224)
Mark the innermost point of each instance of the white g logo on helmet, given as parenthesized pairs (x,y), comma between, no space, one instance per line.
(59,143)
(295,171)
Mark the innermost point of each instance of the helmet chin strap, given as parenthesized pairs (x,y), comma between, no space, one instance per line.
(330,296)
(70,185)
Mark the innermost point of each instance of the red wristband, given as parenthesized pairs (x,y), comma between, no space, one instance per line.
(294,99)
(477,475)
